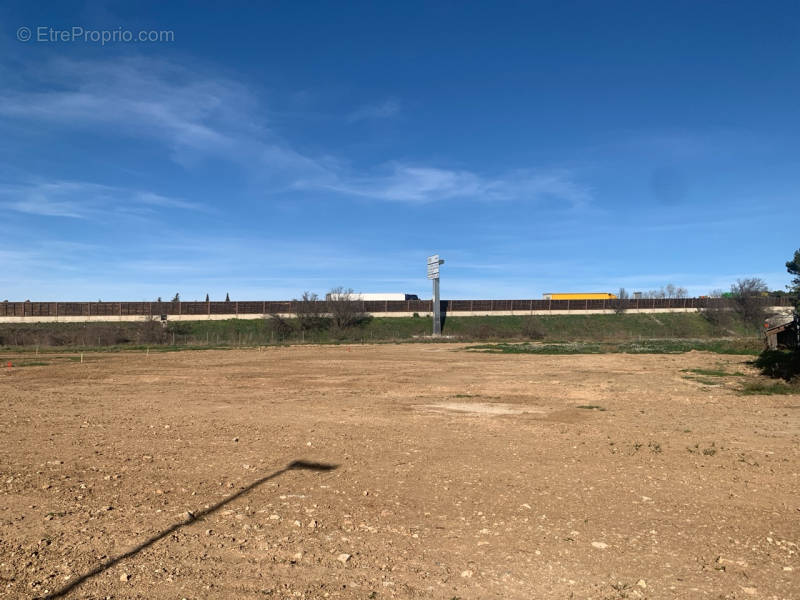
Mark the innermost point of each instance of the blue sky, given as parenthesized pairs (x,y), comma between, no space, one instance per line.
(273,148)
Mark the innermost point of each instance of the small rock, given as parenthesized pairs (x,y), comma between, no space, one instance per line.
(298,524)
(788,568)
(209,532)
(274,518)
(188,516)
(466,574)
(599,545)
(642,584)
(343,558)
(312,524)
(107,508)
(125,577)
(236,439)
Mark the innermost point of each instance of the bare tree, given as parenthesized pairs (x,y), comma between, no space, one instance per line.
(749,286)
(668,291)
(620,303)
(310,311)
(343,308)
(746,295)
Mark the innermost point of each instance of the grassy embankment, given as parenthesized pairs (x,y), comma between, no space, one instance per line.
(606,332)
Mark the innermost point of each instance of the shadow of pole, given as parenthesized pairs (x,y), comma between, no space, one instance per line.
(107,564)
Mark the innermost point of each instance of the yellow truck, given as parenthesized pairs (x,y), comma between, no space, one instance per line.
(581,296)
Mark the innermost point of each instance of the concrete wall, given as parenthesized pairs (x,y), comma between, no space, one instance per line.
(786,310)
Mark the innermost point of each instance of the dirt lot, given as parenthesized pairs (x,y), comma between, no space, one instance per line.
(449,474)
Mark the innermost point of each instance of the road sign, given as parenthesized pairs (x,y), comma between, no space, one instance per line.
(433,266)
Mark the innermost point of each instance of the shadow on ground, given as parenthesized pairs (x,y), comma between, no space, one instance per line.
(107,564)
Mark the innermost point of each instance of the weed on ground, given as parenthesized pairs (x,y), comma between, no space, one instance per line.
(666,346)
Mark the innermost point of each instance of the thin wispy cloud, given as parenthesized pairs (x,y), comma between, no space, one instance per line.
(195,114)
(422,185)
(384,110)
(83,200)
(141,98)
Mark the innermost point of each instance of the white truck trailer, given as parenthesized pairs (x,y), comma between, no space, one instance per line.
(374,297)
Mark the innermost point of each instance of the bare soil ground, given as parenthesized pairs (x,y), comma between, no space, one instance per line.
(457,475)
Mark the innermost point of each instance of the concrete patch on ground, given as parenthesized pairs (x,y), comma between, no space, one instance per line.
(482,408)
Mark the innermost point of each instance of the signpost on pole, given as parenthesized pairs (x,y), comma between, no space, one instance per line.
(433,273)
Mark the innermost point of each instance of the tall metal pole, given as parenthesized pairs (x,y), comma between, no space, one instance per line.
(437,313)
(434,262)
